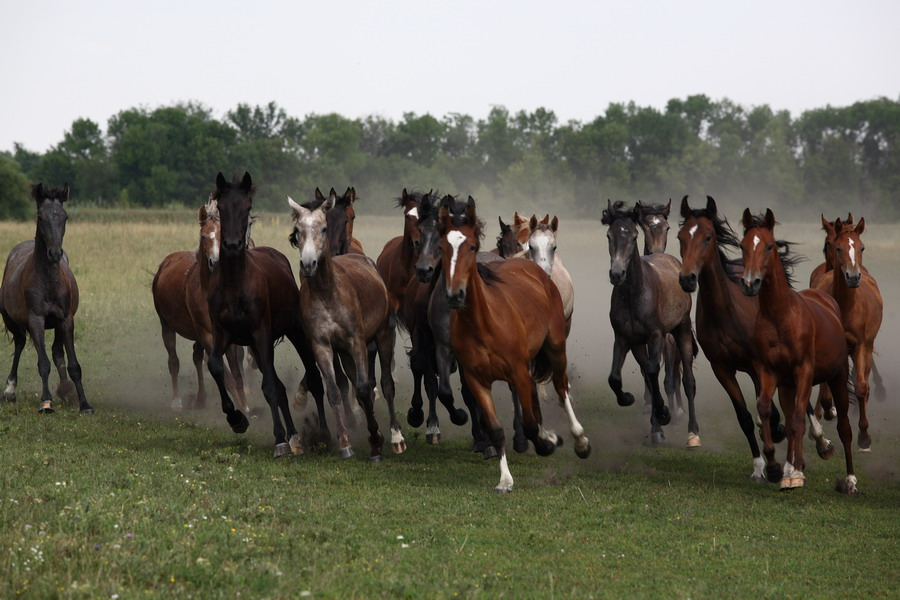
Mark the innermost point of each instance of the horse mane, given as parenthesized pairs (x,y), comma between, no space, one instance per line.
(457,210)
(651,209)
(235,184)
(615,212)
(415,195)
(725,237)
(789,259)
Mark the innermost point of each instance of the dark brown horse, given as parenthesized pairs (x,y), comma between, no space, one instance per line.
(798,342)
(507,324)
(862,308)
(340,222)
(253,301)
(397,260)
(344,308)
(39,292)
(180,288)
(507,244)
(647,303)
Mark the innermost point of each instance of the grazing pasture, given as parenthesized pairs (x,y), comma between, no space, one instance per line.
(138,501)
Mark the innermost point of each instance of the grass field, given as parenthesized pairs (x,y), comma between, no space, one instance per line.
(138,501)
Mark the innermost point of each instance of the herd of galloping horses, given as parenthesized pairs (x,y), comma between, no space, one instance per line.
(503,315)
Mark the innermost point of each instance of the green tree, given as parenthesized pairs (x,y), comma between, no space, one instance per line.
(15,193)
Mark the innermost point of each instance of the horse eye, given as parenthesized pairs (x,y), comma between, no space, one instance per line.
(324,229)
(472,247)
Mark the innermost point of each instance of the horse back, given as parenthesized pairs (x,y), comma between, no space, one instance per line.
(21,292)
(370,291)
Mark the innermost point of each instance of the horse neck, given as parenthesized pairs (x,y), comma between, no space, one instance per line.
(475,315)
(776,295)
(843,293)
(233,271)
(322,283)
(714,287)
(634,277)
(407,254)
(43,267)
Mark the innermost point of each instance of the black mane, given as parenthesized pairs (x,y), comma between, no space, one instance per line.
(615,212)
(725,238)
(788,258)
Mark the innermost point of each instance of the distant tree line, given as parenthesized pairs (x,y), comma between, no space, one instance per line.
(824,160)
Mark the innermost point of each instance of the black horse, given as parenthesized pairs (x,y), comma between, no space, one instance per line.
(39,292)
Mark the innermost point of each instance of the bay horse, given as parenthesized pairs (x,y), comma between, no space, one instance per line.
(506,324)
(653,220)
(39,292)
(862,308)
(647,303)
(254,301)
(398,257)
(340,222)
(507,244)
(180,288)
(344,308)
(798,342)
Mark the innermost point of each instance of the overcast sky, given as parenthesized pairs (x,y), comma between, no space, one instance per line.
(62,60)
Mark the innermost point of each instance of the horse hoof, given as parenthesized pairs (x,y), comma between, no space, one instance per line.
(282,449)
(827,453)
(238,422)
(489,453)
(544,447)
(459,417)
(502,489)
(87,411)
(9,396)
(755,478)
(415,416)
(626,399)
(345,453)
(864,443)
(846,485)
(583,451)
(520,445)
(177,405)
(798,482)
(778,434)
(480,445)
(398,447)
(786,485)
(376,458)
(46,408)
(693,441)
(295,444)
(774,472)
(663,416)
(657,438)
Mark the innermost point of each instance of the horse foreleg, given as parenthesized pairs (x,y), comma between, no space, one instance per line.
(649,358)
(168,338)
(726,377)
(620,350)
(235,375)
(358,358)
(275,394)
(838,386)
(671,360)
(313,379)
(197,357)
(74,367)
(36,329)
(66,389)
(480,441)
(325,361)
(767,384)
(862,366)
(520,440)
(685,352)
(492,428)
(19,338)
(216,366)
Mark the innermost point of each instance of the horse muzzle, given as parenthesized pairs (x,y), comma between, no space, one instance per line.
(750,287)
(853,279)
(457,299)
(54,255)
(308,268)
(616,277)
(425,274)
(688,282)
(232,248)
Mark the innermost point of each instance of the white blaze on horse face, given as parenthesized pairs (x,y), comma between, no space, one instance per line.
(413,212)
(310,247)
(756,241)
(455,238)
(693,230)
(539,248)
(852,254)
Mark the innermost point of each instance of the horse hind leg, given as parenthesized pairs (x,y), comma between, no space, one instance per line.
(558,364)
(384,345)
(197,354)
(862,368)
(364,394)
(74,367)
(824,446)
(168,338)
(672,362)
(685,352)
(838,387)
(877,387)
(65,391)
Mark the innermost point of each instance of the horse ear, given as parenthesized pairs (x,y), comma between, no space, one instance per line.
(554,224)
(295,208)
(332,193)
(747,219)
(519,221)
(37,192)
(246,183)
(503,225)
(667,209)
(404,197)
(711,208)
(825,224)
(319,196)
(849,220)
(221,184)
(685,208)
(352,194)
(203,214)
(838,225)
(770,219)
(330,202)
(471,217)
(65,192)
(545,220)
(532,223)
(349,195)
(860,226)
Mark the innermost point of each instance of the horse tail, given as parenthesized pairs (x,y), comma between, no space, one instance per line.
(541,370)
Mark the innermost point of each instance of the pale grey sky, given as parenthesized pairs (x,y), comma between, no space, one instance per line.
(62,60)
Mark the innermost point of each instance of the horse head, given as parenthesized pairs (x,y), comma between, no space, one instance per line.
(234,201)
(828,228)
(521,230)
(542,241)
(310,232)
(340,221)
(51,218)
(460,240)
(622,238)
(654,221)
(429,236)
(409,202)
(507,243)
(210,234)
(697,239)
(848,250)
(758,248)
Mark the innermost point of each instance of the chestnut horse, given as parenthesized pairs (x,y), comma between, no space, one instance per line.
(646,304)
(180,288)
(857,293)
(506,324)
(39,292)
(798,342)
(253,301)
(344,309)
